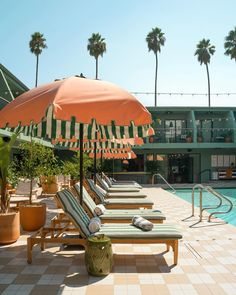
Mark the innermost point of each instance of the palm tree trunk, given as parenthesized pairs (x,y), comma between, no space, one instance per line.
(37,67)
(209,91)
(156,79)
(96,68)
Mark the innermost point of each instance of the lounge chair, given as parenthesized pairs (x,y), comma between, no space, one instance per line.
(99,197)
(118,233)
(121,193)
(111,181)
(115,189)
(118,215)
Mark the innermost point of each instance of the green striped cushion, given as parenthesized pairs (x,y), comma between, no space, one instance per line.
(101,182)
(128,231)
(75,211)
(86,199)
(96,190)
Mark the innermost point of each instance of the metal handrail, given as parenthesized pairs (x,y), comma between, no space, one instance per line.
(219,195)
(216,194)
(158,174)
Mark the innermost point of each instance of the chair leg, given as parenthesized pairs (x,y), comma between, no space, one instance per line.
(29,250)
(176,251)
(167,247)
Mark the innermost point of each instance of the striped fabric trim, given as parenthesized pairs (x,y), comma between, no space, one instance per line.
(90,145)
(51,128)
(75,211)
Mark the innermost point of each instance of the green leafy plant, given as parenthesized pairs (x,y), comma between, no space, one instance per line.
(36,160)
(153,167)
(6,145)
(72,167)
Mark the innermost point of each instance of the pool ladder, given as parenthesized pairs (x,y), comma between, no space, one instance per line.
(218,195)
(159,175)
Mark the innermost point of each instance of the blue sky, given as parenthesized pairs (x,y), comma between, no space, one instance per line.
(124,24)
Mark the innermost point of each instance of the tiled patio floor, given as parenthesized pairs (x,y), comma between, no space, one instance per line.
(207,262)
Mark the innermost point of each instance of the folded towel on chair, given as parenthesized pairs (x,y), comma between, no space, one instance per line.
(99,209)
(94,224)
(142,223)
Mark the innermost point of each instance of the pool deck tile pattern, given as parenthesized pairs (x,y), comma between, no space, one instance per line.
(207,261)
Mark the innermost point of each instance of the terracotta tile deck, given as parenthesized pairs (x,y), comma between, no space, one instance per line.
(207,262)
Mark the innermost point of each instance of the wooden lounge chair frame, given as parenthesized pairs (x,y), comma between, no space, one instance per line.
(53,235)
(75,191)
(108,203)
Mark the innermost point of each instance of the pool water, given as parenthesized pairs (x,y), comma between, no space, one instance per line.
(208,200)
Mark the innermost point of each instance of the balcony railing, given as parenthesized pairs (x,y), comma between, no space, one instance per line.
(186,135)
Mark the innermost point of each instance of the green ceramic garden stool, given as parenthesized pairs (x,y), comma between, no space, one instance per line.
(98,255)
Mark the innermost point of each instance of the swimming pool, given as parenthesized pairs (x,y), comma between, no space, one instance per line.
(209,200)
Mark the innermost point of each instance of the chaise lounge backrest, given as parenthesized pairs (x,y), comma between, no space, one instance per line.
(89,203)
(75,211)
(102,182)
(100,195)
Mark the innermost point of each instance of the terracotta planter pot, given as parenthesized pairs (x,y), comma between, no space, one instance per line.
(9,227)
(49,184)
(32,217)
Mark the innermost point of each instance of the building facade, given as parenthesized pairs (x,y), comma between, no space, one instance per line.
(190,145)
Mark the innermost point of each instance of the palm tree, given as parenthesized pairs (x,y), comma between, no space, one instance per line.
(96,47)
(230,44)
(37,44)
(155,39)
(204,51)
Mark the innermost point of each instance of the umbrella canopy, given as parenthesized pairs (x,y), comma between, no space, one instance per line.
(56,110)
(75,108)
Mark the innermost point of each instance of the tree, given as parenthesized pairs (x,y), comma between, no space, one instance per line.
(37,44)
(96,47)
(230,44)
(155,39)
(35,160)
(6,145)
(204,51)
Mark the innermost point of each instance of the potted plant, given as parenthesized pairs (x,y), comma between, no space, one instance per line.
(9,221)
(228,136)
(72,167)
(29,166)
(153,167)
(199,136)
(48,171)
(189,137)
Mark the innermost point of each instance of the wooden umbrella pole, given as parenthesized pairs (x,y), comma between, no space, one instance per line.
(81,172)
(95,162)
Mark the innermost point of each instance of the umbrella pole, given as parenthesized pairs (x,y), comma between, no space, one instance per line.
(81,172)
(101,161)
(95,162)
(112,167)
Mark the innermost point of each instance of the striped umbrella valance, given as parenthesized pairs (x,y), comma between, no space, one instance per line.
(51,128)
(92,145)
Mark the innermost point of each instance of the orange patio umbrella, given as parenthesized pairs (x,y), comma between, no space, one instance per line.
(77,108)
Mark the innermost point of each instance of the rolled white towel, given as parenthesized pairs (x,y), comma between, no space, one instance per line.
(99,209)
(94,225)
(142,223)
